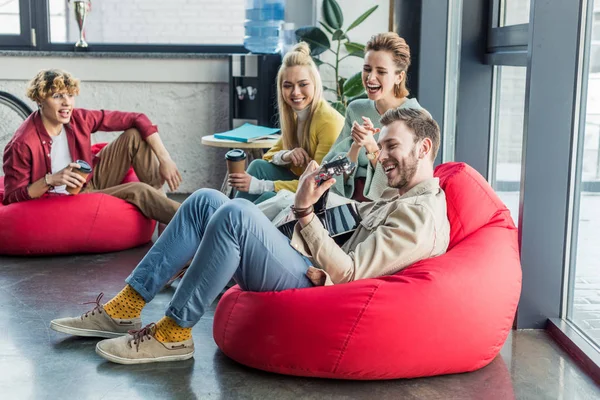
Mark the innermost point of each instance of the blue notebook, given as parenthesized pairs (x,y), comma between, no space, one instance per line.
(247,133)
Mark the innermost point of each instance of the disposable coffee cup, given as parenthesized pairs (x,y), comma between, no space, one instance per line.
(236,161)
(84,170)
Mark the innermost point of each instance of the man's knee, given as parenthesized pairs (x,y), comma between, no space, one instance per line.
(258,168)
(205,195)
(131,134)
(201,194)
(236,209)
(141,191)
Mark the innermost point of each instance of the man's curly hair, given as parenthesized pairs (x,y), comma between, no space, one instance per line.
(50,81)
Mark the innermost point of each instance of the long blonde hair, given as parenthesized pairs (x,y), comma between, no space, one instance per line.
(288,122)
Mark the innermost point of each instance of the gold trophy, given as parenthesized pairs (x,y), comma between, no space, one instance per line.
(81,9)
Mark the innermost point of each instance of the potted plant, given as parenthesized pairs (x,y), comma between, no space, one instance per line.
(347,89)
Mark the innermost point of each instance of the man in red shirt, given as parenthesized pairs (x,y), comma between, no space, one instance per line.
(40,158)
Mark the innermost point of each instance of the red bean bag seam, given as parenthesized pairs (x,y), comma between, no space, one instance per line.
(229,316)
(94,221)
(351,332)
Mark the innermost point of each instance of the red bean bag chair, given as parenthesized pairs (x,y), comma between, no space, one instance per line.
(86,223)
(442,315)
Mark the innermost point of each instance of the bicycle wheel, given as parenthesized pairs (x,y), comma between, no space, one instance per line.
(12,114)
(15,104)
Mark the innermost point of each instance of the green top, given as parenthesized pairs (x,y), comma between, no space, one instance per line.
(376,181)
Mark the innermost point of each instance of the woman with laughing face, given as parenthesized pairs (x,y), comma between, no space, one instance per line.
(309,127)
(387,58)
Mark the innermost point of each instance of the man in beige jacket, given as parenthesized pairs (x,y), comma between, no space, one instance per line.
(409,223)
(233,238)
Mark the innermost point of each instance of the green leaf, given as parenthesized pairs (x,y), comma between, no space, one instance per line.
(327,27)
(358,54)
(315,37)
(355,49)
(318,62)
(338,35)
(360,19)
(332,13)
(328,89)
(353,86)
(339,107)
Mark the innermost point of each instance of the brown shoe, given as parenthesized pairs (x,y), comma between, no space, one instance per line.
(96,323)
(141,347)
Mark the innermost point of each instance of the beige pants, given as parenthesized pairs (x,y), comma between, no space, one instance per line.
(115,160)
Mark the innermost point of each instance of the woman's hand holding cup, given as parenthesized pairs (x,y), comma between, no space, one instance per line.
(240,181)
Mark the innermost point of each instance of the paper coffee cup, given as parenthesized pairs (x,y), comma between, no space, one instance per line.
(84,170)
(236,161)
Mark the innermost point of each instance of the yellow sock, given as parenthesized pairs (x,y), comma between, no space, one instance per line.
(167,331)
(127,304)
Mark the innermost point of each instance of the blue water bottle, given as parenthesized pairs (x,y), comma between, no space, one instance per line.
(264,19)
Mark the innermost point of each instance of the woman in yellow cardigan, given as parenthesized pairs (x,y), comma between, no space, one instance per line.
(309,127)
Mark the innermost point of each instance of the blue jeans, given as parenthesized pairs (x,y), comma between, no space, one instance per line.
(263,169)
(226,238)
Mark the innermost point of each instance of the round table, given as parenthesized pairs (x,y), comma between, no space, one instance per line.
(254,149)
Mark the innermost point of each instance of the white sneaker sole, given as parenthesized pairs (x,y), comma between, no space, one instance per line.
(129,361)
(84,332)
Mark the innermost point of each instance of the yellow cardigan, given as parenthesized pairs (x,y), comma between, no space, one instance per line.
(325,127)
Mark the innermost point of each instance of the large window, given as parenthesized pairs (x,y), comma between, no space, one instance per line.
(10,23)
(151,21)
(507,51)
(130,26)
(514,12)
(507,134)
(584,281)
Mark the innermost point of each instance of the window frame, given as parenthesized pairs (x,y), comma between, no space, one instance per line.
(506,45)
(35,36)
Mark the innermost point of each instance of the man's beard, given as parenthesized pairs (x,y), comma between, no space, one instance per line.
(407,169)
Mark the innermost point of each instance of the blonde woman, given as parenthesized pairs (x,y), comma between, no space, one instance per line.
(309,127)
(386,62)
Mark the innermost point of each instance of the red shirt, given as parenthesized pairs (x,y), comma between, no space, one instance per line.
(27,155)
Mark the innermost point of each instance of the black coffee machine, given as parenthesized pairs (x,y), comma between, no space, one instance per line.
(253,96)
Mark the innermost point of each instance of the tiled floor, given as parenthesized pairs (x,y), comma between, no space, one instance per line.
(38,363)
